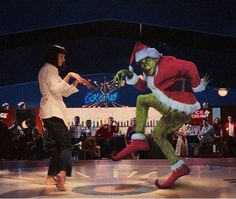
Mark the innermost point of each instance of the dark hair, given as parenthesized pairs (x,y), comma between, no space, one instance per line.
(77,117)
(205,119)
(51,54)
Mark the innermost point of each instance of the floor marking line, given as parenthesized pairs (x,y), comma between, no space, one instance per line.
(132,174)
(148,174)
(81,174)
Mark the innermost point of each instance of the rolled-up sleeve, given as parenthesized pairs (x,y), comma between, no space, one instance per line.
(69,90)
(56,85)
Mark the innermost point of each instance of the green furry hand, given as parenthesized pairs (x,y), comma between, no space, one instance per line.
(120,75)
(206,79)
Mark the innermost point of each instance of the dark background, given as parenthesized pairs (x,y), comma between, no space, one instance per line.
(100,35)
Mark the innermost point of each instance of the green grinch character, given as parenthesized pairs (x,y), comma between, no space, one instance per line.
(172,82)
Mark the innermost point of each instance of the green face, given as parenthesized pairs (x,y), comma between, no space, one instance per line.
(148,65)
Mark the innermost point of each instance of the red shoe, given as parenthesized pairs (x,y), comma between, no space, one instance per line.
(181,171)
(134,146)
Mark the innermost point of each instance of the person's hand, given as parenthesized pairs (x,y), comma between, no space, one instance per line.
(76,76)
(120,75)
(206,79)
(80,79)
(86,83)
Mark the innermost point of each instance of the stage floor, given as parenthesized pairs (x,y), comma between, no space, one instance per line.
(215,178)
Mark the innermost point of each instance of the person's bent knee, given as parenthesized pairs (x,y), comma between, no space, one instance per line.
(140,99)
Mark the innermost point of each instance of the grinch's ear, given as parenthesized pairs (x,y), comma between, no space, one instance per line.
(131,68)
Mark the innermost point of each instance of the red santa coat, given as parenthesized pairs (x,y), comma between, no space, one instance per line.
(168,72)
(226,131)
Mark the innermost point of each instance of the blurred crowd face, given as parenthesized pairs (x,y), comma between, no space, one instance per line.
(230,119)
(204,123)
(110,121)
(133,122)
(216,120)
(77,120)
(88,123)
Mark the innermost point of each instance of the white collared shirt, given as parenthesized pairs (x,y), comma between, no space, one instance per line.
(53,88)
(231,129)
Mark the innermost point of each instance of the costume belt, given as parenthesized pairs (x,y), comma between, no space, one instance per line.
(180,85)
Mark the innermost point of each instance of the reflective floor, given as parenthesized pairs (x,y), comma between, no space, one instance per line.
(124,179)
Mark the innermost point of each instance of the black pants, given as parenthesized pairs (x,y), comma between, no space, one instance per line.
(61,155)
(231,147)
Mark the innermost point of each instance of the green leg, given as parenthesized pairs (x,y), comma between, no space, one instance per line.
(142,107)
(171,120)
(168,124)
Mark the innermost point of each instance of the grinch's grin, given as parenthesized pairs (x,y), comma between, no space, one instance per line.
(148,72)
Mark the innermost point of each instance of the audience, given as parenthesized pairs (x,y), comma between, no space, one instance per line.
(17,140)
(88,130)
(104,137)
(4,140)
(92,149)
(76,131)
(130,131)
(230,136)
(218,128)
(21,140)
(23,113)
(76,137)
(206,136)
(31,139)
(182,143)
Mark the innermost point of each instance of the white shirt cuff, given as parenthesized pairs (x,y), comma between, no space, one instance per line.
(138,136)
(63,86)
(133,80)
(200,87)
(73,89)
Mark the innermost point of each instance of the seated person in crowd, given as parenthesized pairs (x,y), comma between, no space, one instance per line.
(16,140)
(30,139)
(206,135)
(23,113)
(104,136)
(92,148)
(89,130)
(89,144)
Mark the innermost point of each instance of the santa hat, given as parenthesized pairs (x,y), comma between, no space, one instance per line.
(142,51)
